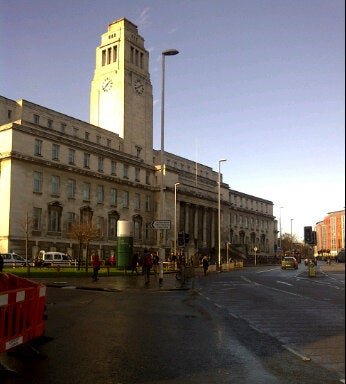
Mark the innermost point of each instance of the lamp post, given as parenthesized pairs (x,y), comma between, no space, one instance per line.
(168,52)
(219,213)
(291,237)
(280,227)
(175,218)
(255,249)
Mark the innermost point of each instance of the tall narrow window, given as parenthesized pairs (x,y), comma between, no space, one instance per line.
(125,199)
(71,156)
(71,188)
(137,201)
(115,53)
(126,171)
(54,217)
(148,203)
(103,57)
(55,185)
(37,188)
(100,194)
(113,167)
(36,218)
(99,225)
(50,123)
(113,196)
(86,191)
(137,174)
(38,147)
(55,151)
(86,160)
(63,128)
(70,220)
(113,218)
(109,55)
(100,164)
(36,119)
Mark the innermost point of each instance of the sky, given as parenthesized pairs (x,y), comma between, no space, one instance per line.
(260,83)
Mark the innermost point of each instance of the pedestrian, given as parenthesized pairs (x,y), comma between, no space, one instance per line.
(135,263)
(147,264)
(156,261)
(205,264)
(1,263)
(96,264)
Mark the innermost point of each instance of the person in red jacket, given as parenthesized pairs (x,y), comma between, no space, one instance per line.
(96,264)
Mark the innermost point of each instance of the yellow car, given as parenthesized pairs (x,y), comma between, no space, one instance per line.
(289,262)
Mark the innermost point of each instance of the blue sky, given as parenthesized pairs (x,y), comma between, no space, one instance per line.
(258,82)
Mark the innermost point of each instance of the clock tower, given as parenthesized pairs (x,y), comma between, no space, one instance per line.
(121,97)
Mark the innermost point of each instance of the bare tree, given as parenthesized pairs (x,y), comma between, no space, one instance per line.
(84,233)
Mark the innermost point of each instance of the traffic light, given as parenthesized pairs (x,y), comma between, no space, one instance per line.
(181,239)
(314,238)
(308,235)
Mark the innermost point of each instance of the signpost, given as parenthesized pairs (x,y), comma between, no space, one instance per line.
(161,224)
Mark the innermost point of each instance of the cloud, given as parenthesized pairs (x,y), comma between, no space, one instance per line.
(143,20)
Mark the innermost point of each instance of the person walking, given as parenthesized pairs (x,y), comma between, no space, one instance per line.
(1,263)
(156,261)
(96,264)
(135,263)
(205,264)
(147,264)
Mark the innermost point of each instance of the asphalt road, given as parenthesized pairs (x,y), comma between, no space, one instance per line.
(255,325)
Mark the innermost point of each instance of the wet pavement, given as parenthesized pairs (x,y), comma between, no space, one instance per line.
(134,281)
(120,282)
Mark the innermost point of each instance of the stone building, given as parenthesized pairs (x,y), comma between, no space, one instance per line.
(56,170)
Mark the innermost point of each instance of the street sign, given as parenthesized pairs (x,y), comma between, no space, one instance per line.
(161,224)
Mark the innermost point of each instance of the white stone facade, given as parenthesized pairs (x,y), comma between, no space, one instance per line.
(55,169)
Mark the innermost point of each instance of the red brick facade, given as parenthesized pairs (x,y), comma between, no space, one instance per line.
(331,232)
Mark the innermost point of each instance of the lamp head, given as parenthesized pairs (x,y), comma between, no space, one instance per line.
(170,52)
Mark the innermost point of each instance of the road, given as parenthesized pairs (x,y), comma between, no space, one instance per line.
(254,325)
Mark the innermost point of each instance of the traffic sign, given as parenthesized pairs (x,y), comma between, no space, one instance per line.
(161,224)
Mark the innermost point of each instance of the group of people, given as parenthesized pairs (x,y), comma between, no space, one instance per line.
(147,261)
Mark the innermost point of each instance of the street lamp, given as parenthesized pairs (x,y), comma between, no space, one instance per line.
(175,218)
(219,212)
(280,227)
(255,249)
(291,236)
(168,52)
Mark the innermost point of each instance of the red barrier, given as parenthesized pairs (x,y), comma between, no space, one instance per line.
(22,306)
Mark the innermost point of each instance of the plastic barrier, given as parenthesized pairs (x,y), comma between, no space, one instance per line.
(22,307)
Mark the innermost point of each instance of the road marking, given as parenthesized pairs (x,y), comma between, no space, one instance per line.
(267,270)
(304,358)
(284,282)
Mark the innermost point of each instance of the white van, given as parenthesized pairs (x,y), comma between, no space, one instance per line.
(55,259)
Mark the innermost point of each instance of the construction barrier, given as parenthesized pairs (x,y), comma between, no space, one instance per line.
(22,310)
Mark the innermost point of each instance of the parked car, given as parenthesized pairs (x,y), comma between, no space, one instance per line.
(13,260)
(54,259)
(289,262)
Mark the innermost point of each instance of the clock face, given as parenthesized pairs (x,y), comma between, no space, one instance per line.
(139,87)
(107,85)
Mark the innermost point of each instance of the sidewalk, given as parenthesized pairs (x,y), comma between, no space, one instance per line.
(117,283)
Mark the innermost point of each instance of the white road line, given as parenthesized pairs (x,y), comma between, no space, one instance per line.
(284,282)
(304,358)
(267,270)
